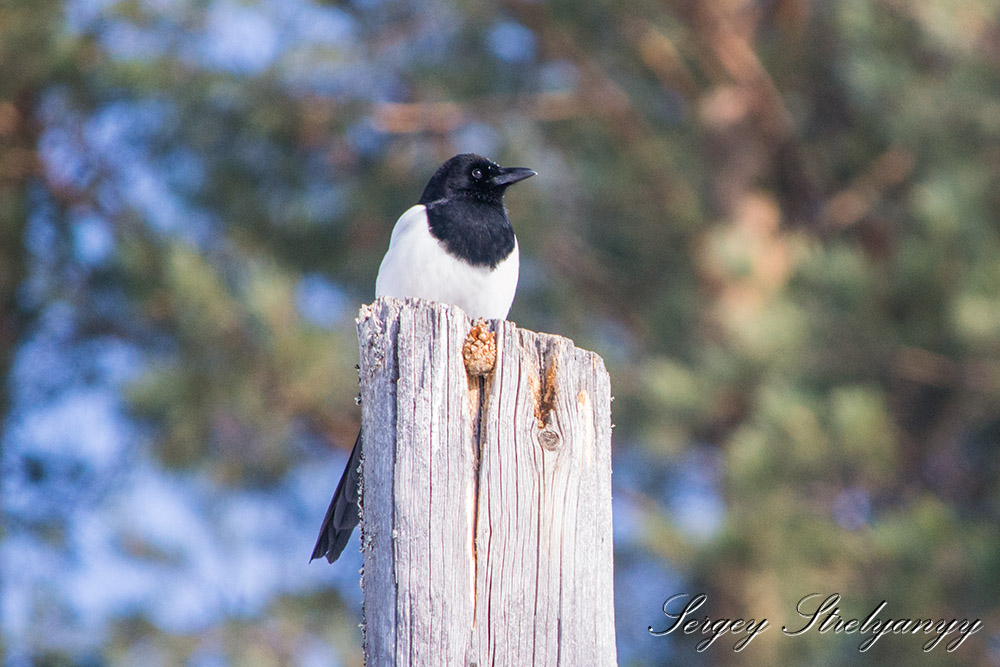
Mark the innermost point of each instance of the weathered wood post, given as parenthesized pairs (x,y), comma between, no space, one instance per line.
(486,501)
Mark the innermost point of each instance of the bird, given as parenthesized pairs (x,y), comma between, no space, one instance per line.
(455,246)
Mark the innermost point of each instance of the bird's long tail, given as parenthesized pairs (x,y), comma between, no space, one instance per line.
(342,516)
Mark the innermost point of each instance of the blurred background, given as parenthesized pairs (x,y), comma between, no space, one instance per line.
(776,220)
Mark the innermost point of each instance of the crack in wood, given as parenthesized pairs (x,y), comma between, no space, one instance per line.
(480,402)
(544,389)
(479,353)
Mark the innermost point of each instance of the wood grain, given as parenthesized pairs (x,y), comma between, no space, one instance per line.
(486,502)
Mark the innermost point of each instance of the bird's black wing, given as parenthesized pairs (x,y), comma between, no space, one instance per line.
(343,515)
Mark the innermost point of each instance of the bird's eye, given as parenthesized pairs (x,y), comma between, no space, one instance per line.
(477,173)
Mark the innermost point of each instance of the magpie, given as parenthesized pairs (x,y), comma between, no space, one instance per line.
(455,246)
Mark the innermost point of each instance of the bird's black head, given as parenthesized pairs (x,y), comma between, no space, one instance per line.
(464,201)
(472,177)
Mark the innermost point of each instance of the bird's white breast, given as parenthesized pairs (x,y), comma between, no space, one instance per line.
(418,265)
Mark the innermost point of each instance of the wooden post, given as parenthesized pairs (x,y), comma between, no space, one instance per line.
(486,520)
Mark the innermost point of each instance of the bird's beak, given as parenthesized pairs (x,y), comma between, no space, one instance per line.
(511,175)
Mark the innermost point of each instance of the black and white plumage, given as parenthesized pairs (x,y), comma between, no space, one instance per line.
(455,246)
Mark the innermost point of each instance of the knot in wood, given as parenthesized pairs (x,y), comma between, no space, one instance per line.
(549,439)
(480,350)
